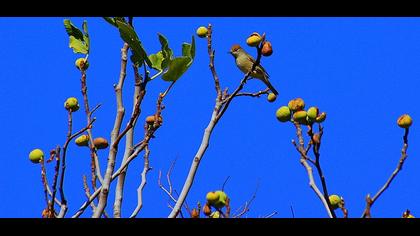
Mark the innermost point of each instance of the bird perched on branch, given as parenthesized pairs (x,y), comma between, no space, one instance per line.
(244,61)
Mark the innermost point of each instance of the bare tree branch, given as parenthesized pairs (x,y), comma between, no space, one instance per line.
(139,93)
(115,138)
(146,168)
(371,201)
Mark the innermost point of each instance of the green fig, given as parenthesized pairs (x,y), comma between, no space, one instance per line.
(36,156)
(71,104)
(221,202)
(404,121)
(300,117)
(254,40)
(212,197)
(271,97)
(313,112)
(335,201)
(283,114)
(100,143)
(296,104)
(82,64)
(202,32)
(82,140)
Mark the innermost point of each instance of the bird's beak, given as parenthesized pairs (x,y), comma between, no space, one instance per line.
(229,52)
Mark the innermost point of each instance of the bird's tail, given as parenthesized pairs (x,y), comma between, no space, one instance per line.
(269,85)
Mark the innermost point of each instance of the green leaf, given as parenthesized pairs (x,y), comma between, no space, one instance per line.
(188,50)
(72,30)
(176,68)
(78,41)
(77,45)
(111,20)
(156,60)
(129,36)
(86,34)
(166,51)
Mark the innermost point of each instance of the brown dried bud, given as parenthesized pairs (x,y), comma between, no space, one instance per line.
(100,143)
(267,49)
(151,119)
(206,210)
(195,214)
(316,138)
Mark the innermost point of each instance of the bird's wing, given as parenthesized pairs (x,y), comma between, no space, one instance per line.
(259,67)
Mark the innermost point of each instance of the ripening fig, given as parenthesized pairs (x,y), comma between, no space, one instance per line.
(100,143)
(82,64)
(271,97)
(300,117)
(321,117)
(267,49)
(194,213)
(296,104)
(71,104)
(212,197)
(151,119)
(36,156)
(335,201)
(316,138)
(283,114)
(404,121)
(206,210)
(254,40)
(215,214)
(221,202)
(82,140)
(202,32)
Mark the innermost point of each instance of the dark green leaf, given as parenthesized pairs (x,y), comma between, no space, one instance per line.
(176,68)
(192,47)
(86,34)
(129,36)
(72,30)
(111,20)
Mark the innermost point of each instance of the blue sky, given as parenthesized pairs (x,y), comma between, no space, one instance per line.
(362,71)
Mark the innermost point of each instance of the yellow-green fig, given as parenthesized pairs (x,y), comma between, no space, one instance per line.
(283,114)
(215,214)
(296,104)
(82,64)
(321,117)
(271,97)
(212,197)
(404,121)
(300,117)
(202,32)
(82,140)
(254,40)
(71,104)
(36,156)
(221,202)
(100,143)
(313,112)
(335,201)
(267,49)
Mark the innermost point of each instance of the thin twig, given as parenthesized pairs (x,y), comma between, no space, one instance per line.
(399,167)
(248,203)
(271,214)
(146,168)
(257,94)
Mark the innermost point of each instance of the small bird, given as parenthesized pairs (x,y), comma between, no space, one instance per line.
(244,61)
